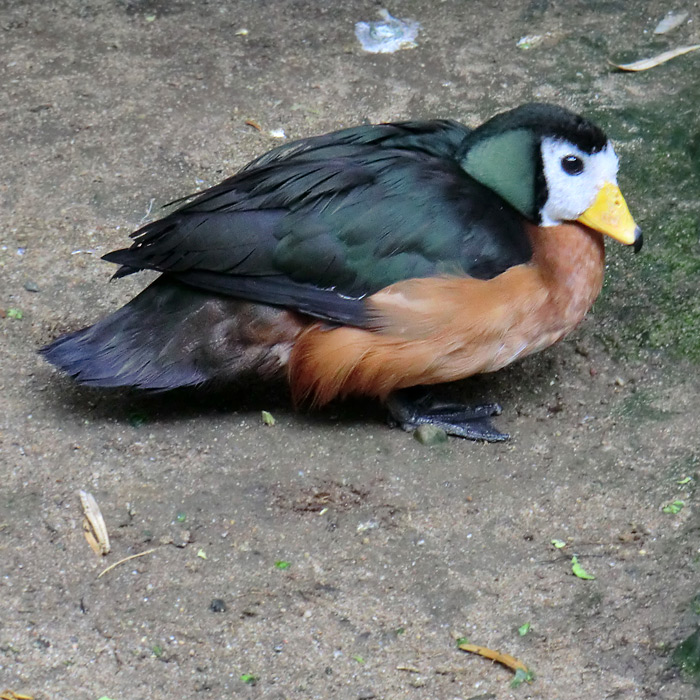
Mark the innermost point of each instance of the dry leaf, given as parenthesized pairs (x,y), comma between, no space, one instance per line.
(505,659)
(647,63)
(94,526)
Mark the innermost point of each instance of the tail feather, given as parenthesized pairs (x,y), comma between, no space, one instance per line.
(172,335)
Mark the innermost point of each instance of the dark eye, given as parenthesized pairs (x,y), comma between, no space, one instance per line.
(572,165)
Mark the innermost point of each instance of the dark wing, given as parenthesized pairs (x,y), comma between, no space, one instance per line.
(440,137)
(319,224)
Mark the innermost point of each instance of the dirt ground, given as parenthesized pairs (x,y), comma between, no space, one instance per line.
(329,555)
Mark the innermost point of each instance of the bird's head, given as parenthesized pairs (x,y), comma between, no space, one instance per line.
(553,166)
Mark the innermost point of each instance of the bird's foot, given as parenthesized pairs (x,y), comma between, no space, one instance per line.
(410,409)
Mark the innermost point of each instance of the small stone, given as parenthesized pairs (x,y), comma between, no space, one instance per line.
(430,435)
(180,538)
(217,605)
(31,286)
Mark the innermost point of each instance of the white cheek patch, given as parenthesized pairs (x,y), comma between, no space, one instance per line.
(570,195)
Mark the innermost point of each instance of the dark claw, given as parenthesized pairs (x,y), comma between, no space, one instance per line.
(411,408)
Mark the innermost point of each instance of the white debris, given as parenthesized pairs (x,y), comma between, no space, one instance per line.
(388,36)
(670,22)
(529,41)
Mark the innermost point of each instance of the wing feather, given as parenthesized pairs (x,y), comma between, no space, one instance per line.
(319,224)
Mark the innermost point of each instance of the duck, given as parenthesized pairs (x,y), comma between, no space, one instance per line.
(379,260)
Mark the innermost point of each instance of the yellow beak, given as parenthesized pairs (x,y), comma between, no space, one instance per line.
(609,214)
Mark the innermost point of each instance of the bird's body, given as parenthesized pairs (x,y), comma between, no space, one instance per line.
(368,260)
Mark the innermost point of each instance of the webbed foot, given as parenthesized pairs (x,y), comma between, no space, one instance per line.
(410,408)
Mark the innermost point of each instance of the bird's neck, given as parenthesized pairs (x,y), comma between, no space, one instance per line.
(571,261)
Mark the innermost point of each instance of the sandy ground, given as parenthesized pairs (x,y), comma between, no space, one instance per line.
(394,549)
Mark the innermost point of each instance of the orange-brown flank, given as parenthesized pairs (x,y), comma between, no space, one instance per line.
(432,330)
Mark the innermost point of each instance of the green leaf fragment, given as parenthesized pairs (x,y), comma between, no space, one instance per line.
(281,564)
(249,678)
(684,481)
(267,418)
(429,435)
(15,313)
(181,517)
(358,658)
(461,640)
(524,629)
(673,508)
(579,571)
(522,676)
(202,554)
(559,544)
(157,651)
(137,419)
